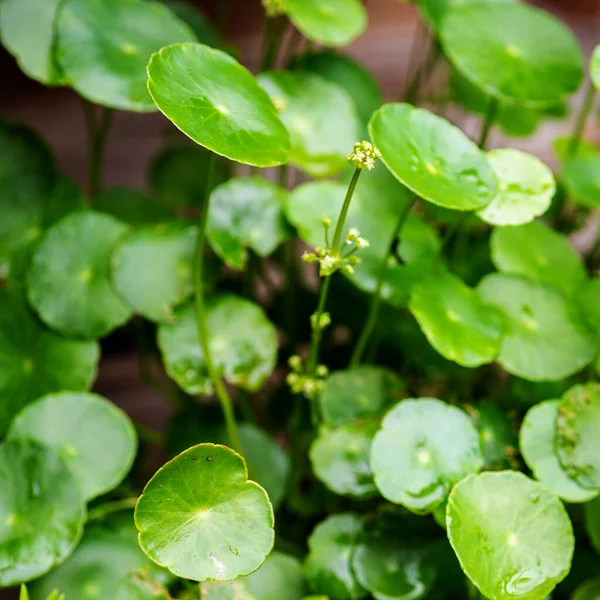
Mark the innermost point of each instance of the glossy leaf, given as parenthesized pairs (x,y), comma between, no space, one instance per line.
(536,441)
(279,578)
(152,268)
(424,446)
(492,45)
(238,122)
(457,323)
(68,280)
(110,69)
(433,158)
(434,11)
(243,343)
(96,439)
(595,67)
(328,566)
(514,544)
(580,176)
(320,117)
(130,206)
(546,338)
(34,361)
(538,253)
(526,188)
(246,213)
(202,518)
(42,511)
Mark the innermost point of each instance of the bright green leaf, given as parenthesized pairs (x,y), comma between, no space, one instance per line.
(279,578)
(130,206)
(588,297)
(434,11)
(581,179)
(595,67)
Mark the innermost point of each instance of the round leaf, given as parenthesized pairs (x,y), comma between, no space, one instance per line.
(491,45)
(96,439)
(243,343)
(457,323)
(110,69)
(512,535)
(152,268)
(68,280)
(424,446)
(279,578)
(536,441)
(580,176)
(239,122)
(434,11)
(130,206)
(526,188)
(320,117)
(200,517)
(42,511)
(595,67)
(577,440)
(328,22)
(34,361)
(246,213)
(433,158)
(546,338)
(328,566)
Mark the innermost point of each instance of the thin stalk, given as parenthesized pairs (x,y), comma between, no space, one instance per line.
(97,134)
(371,321)
(490,117)
(274,34)
(582,117)
(339,228)
(203,334)
(98,513)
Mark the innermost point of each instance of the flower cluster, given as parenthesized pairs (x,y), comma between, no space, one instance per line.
(301,382)
(274,8)
(324,321)
(364,155)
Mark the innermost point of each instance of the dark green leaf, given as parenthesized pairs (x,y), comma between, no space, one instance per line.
(580,176)
(590,590)
(130,206)
(592,522)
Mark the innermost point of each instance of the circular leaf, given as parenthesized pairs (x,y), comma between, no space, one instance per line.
(152,268)
(526,188)
(546,338)
(595,67)
(110,69)
(536,441)
(433,158)
(279,578)
(580,176)
(96,439)
(424,446)
(238,122)
(246,213)
(434,11)
(34,361)
(340,458)
(328,22)
(457,323)
(320,117)
(577,440)
(200,517)
(130,206)
(514,544)
(243,343)
(491,44)
(42,511)
(328,566)
(68,280)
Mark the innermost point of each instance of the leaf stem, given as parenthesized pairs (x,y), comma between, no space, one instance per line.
(490,118)
(97,134)
(586,107)
(98,513)
(371,321)
(339,228)
(201,322)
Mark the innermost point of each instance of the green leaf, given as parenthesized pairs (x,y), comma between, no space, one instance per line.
(589,590)
(228,590)
(135,586)
(514,544)
(340,458)
(246,213)
(328,22)
(68,280)
(424,446)
(360,393)
(23,595)
(110,69)
(97,568)
(580,177)
(243,343)
(200,517)
(457,323)
(492,46)
(588,297)
(34,361)
(238,122)
(537,252)
(279,578)
(152,268)
(96,439)
(546,338)
(536,441)
(434,11)
(42,511)
(433,158)
(130,206)
(27,30)
(577,440)
(328,566)
(195,19)
(592,522)
(526,188)
(595,67)
(320,117)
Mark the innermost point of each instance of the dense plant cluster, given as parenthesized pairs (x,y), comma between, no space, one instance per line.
(381,344)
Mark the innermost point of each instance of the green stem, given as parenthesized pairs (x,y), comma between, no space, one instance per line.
(201,321)
(339,228)
(317,331)
(97,133)
(98,513)
(586,107)
(490,117)
(371,321)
